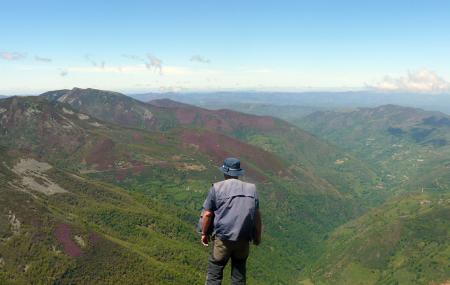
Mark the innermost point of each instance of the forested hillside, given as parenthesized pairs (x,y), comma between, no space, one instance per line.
(406,240)
(408,147)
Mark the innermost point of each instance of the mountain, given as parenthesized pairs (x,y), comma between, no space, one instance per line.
(113,107)
(302,150)
(145,97)
(324,100)
(98,188)
(288,113)
(59,225)
(409,147)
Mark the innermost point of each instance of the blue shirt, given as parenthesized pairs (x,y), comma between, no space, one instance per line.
(234,204)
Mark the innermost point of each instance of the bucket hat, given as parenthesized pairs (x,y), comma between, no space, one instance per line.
(232,167)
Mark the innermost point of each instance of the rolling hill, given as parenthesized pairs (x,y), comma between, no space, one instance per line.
(85,195)
(286,112)
(409,147)
(302,150)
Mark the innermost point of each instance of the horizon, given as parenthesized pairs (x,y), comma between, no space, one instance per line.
(330,100)
(212,91)
(211,47)
(262,91)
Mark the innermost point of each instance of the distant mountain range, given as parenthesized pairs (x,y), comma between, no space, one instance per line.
(99,188)
(327,100)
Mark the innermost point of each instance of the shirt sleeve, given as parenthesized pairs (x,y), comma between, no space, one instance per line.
(210,202)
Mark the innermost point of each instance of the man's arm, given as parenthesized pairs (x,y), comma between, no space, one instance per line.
(258,228)
(209,207)
(206,222)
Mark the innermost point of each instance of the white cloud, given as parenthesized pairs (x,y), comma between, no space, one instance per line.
(172,88)
(133,69)
(89,58)
(133,57)
(199,58)
(63,72)
(155,63)
(42,59)
(12,55)
(419,81)
(108,69)
(100,64)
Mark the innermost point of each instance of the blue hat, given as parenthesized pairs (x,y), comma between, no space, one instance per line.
(232,167)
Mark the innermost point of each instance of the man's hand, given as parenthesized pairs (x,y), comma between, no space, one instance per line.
(207,219)
(205,240)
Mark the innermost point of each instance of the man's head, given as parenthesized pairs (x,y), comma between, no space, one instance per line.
(231,168)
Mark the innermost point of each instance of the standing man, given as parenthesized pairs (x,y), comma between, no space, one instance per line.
(232,208)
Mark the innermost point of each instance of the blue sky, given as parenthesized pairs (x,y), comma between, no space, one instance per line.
(137,46)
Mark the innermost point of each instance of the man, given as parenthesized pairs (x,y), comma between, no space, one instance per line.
(232,206)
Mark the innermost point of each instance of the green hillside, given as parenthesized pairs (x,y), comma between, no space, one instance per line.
(403,242)
(407,147)
(87,201)
(303,151)
(285,112)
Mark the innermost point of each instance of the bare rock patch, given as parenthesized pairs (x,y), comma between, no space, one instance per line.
(34,178)
(83,117)
(67,111)
(14,222)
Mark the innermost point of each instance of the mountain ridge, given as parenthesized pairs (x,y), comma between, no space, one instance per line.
(272,134)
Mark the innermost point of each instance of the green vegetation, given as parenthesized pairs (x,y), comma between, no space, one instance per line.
(124,183)
(401,144)
(403,242)
(133,198)
(284,112)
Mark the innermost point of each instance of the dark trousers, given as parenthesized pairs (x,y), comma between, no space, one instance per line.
(222,251)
